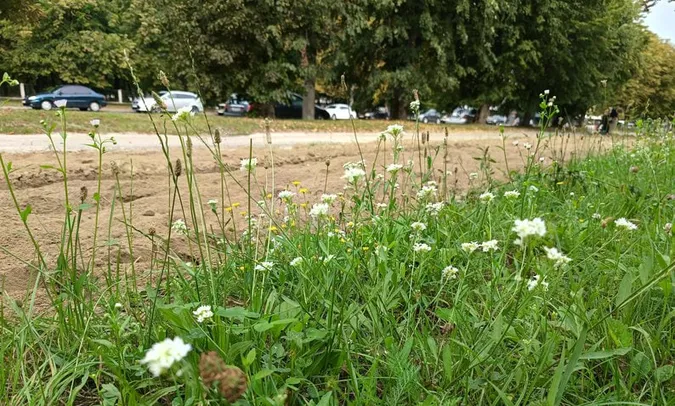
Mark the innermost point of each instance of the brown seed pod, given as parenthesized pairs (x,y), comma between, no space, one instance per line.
(634,169)
(115,169)
(178,170)
(606,221)
(216,136)
(84,192)
(230,380)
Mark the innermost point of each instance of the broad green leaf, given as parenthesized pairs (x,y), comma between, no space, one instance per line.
(236,313)
(262,374)
(624,288)
(605,354)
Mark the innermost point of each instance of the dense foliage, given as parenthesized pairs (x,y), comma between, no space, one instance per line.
(484,52)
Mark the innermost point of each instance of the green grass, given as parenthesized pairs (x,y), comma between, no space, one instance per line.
(25,121)
(363,318)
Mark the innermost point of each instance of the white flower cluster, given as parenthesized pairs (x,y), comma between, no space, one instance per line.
(421,247)
(161,356)
(353,174)
(296,261)
(486,197)
(559,259)
(418,227)
(183,114)
(179,227)
(264,266)
(248,165)
(512,194)
(415,106)
(487,246)
(529,228)
(449,272)
(427,192)
(536,281)
(470,246)
(624,223)
(393,168)
(319,210)
(203,313)
(433,209)
(395,130)
(286,195)
(328,198)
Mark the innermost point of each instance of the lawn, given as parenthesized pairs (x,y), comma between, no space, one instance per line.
(553,288)
(25,121)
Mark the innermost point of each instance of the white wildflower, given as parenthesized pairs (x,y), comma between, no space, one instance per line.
(264,266)
(559,259)
(473,175)
(470,246)
(203,313)
(319,210)
(449,272)
(527,228)
(533,188)
(161,356)
(624,223)
(492,245)
(327,258)
(382,205)
(415,106)
(286,195)
(393,168)
(486,197)
(395,130)
(421,247)
(427,192)
(353,174)
(212,204)
(248,165)
(179,227)
(527,145)
(533,283)
(418,227)
(328,198)
(596,216)
(515,143)
(183,114)
(547,92)
(118,305)
(296,261)
(61,103)
(433,209)
(95,122)
(512,194)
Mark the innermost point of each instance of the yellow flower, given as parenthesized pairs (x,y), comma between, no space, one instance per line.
(283,226)
(350,224)
(349,250)
(243,214)
(241,268)
(366,248)
(296,183)
(303,190)
(303,205)
(236,204)
(342,240)
(269,195)
(228,209)
(273,228)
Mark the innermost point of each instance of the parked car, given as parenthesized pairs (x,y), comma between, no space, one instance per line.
(380,113)
(461,115)
(173,100)
(292,108)
(340,111)
(495,119)
(429,116)
(76,96)
(236,105)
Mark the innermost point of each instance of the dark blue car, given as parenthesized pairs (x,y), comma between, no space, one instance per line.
(76,96)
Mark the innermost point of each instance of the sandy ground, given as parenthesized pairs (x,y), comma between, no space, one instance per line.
(297,157)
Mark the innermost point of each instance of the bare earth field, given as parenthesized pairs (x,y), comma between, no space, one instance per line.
(297,157)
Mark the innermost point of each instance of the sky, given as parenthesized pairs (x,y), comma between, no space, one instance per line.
(661,20)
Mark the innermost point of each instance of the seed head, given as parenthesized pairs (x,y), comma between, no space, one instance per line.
(178,170)
(230,380)
(163,79)
(159,101)
(152,231)
(634,169)
(83,194)
(115,169)
(327,162)
(216,136)
(188,147)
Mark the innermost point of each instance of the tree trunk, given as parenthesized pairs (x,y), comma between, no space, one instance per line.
(483,113)
(525,120)
(308,100)
(398,106)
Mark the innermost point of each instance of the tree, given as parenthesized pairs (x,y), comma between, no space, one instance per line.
(651,91)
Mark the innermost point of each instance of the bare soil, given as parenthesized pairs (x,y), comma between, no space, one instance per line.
(297,157)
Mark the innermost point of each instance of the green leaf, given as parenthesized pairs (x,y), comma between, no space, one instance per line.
(571,365)
(325,399)
(640,365)
(25,213)
(606,354)
(664,373)
(447,363)
(249,358)
(624,288)
(103,342)
(236,313)
(262,374)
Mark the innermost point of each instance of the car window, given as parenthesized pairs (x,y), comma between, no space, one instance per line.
(343,107)
(330,106)
(431,112)
(67,90)
(81,90)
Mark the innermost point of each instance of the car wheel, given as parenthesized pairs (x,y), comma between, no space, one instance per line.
(425,120)
(93,106)
(46,105)
(194,110)
(333,117)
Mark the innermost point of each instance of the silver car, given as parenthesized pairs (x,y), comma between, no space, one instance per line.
(173,100)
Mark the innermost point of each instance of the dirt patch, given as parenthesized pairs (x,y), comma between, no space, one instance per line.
(147,205)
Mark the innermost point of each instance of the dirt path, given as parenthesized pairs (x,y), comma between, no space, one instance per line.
(143,142)
(297,157)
